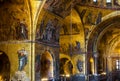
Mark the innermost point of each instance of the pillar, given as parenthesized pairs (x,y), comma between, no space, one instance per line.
(95,63)
(104,3)
(112,3)
(99,2)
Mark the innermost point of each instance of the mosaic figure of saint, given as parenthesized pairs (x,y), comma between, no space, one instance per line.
(21,30)
(22,55)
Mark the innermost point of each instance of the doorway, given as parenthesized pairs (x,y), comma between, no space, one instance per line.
(4,67)
(47,67)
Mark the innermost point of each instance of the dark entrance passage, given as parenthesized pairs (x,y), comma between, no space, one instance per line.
(4,67)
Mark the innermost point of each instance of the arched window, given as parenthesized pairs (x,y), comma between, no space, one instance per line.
(109,3)
(94,0)
(117,64)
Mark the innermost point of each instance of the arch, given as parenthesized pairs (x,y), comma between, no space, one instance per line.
(109,50)
(68,68)
(96,35)
(92,42)
(65,56)
(47,67)
(66,65)
(113,43)
(111,15)
(4,66)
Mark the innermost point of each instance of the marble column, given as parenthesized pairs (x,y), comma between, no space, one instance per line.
(104,3)
(95,63)
(112,2)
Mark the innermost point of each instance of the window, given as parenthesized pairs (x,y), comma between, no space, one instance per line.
(108,1)
(94,0)
(117,64)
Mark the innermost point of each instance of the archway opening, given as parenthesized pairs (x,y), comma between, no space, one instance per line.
(115,59)
(65,67)
(100,45)
(47,66)
(107,48)
(4,67)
